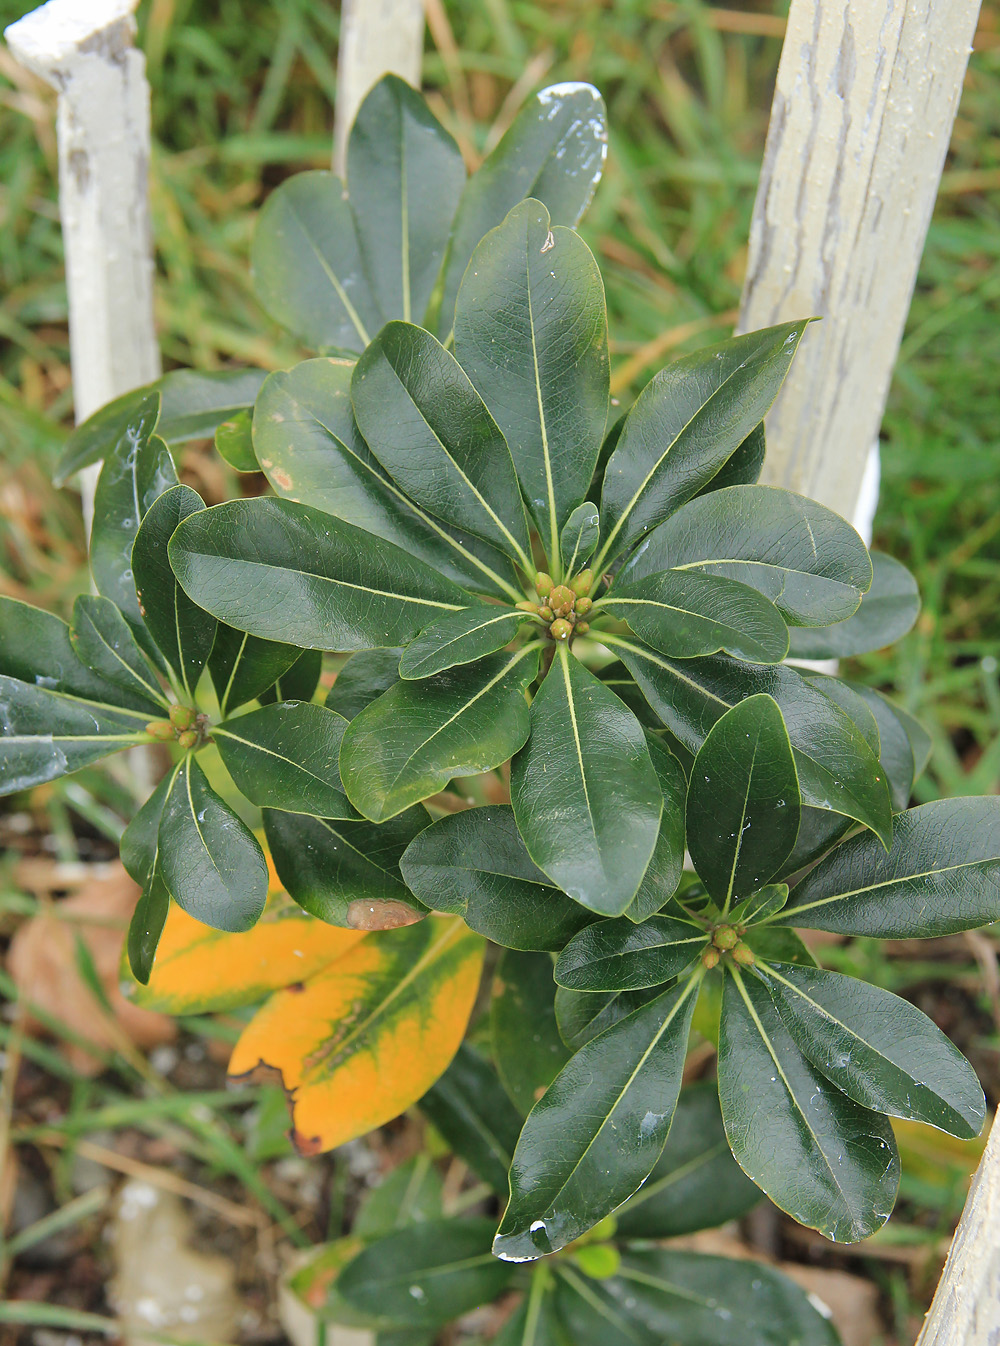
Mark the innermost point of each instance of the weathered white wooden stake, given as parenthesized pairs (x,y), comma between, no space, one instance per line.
(376,37)
(863,109)
(966,1307)
(85,49)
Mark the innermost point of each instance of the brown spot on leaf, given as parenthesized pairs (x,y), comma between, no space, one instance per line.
(307,1146)
(382,914)
(281,479)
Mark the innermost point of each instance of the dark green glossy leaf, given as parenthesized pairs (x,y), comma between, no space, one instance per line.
(474,864)
(743,801)
(531,333)
(854,706)
(553,151)
(344,872)
(234,441)
(895,747)
(581,1015)
(404,177)
(621,956)
(138,848)
(941,875)
(598,1130)
(428,427)
(409,743)
(285,756)
(182,631)
(365,676)
(37,647)
(663,873)
(818,1155)
(744,467)
(131,480)
(888,610)
(920,740)
(807,560)
(446,1262)
(685,614)
(878,1049)
(696,1183)
(586,798)
(527,1048)
(242,666)
(776,943)
(470,1109)
(460,638)
(763,903)
(535,1322)
(590,1317)
(685,425)
(690,1299)
(621,682)
(46,733)
(287,572)
(410,1194)
(307,267)
(579,536)
(311,450)
(819,829)
(195,402)
(146,926)
(298,682)
(103,640)
(210,860)
(114,429)
(837,769)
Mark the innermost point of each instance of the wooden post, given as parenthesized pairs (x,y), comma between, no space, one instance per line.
(376,37)
(862,115)
(966,1307)
(85,49)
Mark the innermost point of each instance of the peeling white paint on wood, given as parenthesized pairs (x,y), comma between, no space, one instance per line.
(85,49)
(376,37)
(863,109)
(966,1307)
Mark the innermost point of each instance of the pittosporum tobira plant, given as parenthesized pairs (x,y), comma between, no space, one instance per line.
(606,610)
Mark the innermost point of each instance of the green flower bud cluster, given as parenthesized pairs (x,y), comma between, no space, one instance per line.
(563,605)
(184,726)
(726,939)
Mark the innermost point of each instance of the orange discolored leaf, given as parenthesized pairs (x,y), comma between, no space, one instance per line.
(199,970)
(367,1037)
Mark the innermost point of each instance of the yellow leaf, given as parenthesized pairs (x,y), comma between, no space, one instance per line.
(198,970)
(367,1037)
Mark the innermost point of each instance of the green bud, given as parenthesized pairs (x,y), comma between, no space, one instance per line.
(582,584)
(188,739)
(181,717)
(543,583)
(743,954)
(160,729)
(560,597)
(583,606)
(603,1230)
(546,613)
(599,1261)
(725,937)
(560,629)
(526,605)
(710,957)
(582,628)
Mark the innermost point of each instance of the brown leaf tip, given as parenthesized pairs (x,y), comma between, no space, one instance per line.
(382,914)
